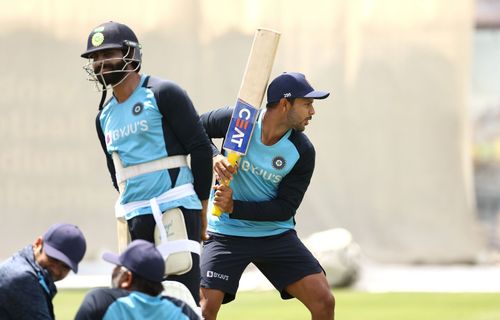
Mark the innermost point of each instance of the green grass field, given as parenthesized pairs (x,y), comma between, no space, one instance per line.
(350,306)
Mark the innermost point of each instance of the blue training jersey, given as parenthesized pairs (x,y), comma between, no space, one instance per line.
(139,305)
(156,121)
(114,303)
(270,183)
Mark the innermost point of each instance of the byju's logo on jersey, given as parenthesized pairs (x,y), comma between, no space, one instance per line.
(246,166)
(125,131)
(213,274)
(137,109)
(279,162)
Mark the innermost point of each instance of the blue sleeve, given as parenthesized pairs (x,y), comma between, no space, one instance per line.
(109,160)
(185,308)
(183,122)
(290,192)
(96,303)
(216,123)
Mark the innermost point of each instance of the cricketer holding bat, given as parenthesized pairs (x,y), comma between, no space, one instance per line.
(259,205)
(146,129)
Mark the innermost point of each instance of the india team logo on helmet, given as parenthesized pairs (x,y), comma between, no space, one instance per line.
(279,162)
(97,39)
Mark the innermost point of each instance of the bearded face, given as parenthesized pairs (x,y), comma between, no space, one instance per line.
(108,68)
(300,113)
(110,71)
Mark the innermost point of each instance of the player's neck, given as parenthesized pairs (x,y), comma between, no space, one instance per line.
(273,127)
(125,89)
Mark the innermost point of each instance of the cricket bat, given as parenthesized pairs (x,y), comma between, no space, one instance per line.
(252,90)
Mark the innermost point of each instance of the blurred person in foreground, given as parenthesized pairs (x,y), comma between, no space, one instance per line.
(136,291)
(259,205)
(27,278)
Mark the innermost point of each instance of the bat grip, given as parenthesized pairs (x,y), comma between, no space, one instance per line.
(233,158)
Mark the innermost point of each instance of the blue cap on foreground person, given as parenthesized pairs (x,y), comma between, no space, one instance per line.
(65,242)
(136,289)
(27,278)
(141,258)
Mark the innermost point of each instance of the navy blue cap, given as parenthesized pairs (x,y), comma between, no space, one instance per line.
(292,85)
(66,243)
(142,258)
(110,35)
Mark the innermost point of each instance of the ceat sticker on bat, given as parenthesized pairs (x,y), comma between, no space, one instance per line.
(241,127)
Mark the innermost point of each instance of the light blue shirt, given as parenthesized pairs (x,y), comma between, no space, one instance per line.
(259,174)
(134,130)
(138,305)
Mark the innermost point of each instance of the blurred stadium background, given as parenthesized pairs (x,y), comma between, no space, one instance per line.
(408,145)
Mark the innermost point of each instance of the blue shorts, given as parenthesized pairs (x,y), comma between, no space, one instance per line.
(282,258)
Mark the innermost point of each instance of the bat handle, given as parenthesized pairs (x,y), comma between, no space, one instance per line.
(233,158)
(216,211)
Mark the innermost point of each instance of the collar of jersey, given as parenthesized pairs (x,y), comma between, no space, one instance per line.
(258,128)
(139,86)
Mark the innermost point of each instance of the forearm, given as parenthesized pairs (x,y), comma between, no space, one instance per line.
(189,134)
(274,210)
(109,160)
(204,220)
(284,206)
(201,167)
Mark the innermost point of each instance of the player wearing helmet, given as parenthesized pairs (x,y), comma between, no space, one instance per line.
(146,130)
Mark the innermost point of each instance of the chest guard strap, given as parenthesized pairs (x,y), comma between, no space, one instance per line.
(125,173)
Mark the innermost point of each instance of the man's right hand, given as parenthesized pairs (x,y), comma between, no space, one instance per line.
(223,198)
